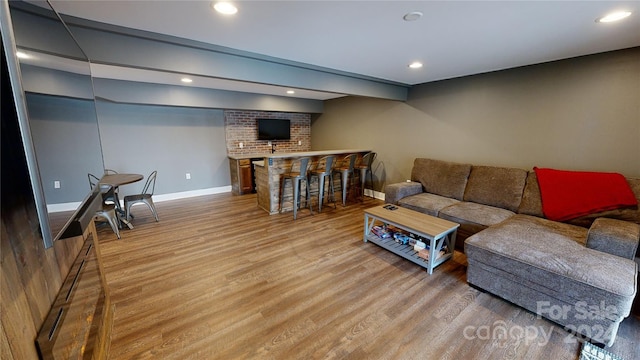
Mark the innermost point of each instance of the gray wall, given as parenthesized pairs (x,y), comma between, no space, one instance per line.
(64,130)
(65,136)
(172,140)
(50,81)
(577,114)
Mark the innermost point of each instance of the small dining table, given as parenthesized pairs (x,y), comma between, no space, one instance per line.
(115,181)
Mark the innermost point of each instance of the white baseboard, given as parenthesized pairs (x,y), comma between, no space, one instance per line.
(191,193)
(375,194)
(156,198)
(52,208)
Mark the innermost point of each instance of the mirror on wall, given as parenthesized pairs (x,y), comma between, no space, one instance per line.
(59,124)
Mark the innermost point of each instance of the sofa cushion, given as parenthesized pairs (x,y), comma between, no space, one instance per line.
(551,257)
(394,192)
(427,203)
(441,177)
(496,186)
(531,203)
(614,237)
(474,217)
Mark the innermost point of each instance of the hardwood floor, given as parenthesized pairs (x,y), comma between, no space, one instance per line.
(218,278)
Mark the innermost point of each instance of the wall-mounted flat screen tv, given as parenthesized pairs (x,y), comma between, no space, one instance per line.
(274,129)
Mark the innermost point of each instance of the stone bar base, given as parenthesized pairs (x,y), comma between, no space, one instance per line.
(268,176)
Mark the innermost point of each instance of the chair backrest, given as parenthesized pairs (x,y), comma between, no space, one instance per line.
(107,191)
(151,183)
(328,164)
(300,164)
(350,160)
(367,159)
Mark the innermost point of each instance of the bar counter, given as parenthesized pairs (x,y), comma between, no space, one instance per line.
(267,174)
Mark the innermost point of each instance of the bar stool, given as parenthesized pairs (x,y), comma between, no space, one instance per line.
(322,173)
(297,174)
(365,169)
(345,170)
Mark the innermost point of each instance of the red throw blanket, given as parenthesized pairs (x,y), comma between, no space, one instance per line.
(571,194)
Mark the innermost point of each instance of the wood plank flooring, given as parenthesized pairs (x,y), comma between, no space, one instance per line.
(218,278)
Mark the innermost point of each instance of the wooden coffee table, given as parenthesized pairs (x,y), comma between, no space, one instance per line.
(440,233)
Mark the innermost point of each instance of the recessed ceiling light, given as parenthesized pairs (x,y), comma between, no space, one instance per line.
(22,55)
(614,16)
(412,16)
(224,7)
(186,80)
(290,92)
(415,65)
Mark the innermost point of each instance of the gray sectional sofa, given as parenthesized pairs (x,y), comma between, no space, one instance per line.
(581,274)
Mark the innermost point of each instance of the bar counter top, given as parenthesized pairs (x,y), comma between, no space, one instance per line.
(287,155)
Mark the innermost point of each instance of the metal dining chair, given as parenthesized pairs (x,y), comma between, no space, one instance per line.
(108,210)
(146,197)
(115,190)
(107,196)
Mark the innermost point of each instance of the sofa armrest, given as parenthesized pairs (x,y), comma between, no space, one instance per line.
(616,237)
(394,192)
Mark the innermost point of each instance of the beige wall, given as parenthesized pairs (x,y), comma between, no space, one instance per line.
(577,114)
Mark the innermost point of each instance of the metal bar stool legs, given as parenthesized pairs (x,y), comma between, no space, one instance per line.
(344,180)
(330,191)
(324,170)
(295,182)
(296,178)
(346,171)
(365,169)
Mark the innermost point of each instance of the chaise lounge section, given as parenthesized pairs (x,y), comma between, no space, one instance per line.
(548,268)
(579,273)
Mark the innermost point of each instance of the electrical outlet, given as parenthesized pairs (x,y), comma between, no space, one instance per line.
(188,176)
(299,142)
(269,143)
(56,184)
(241,145)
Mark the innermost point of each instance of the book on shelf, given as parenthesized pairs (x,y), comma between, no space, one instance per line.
(419,245)
(381,231)
(424,254)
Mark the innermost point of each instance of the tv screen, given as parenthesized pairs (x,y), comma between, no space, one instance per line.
(274,129)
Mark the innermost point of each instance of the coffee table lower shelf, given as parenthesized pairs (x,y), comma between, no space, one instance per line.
(407,251)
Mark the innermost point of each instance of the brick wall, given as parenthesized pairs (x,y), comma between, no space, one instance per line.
(241,127)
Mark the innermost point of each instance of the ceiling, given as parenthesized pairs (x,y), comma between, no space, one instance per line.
(371,38)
